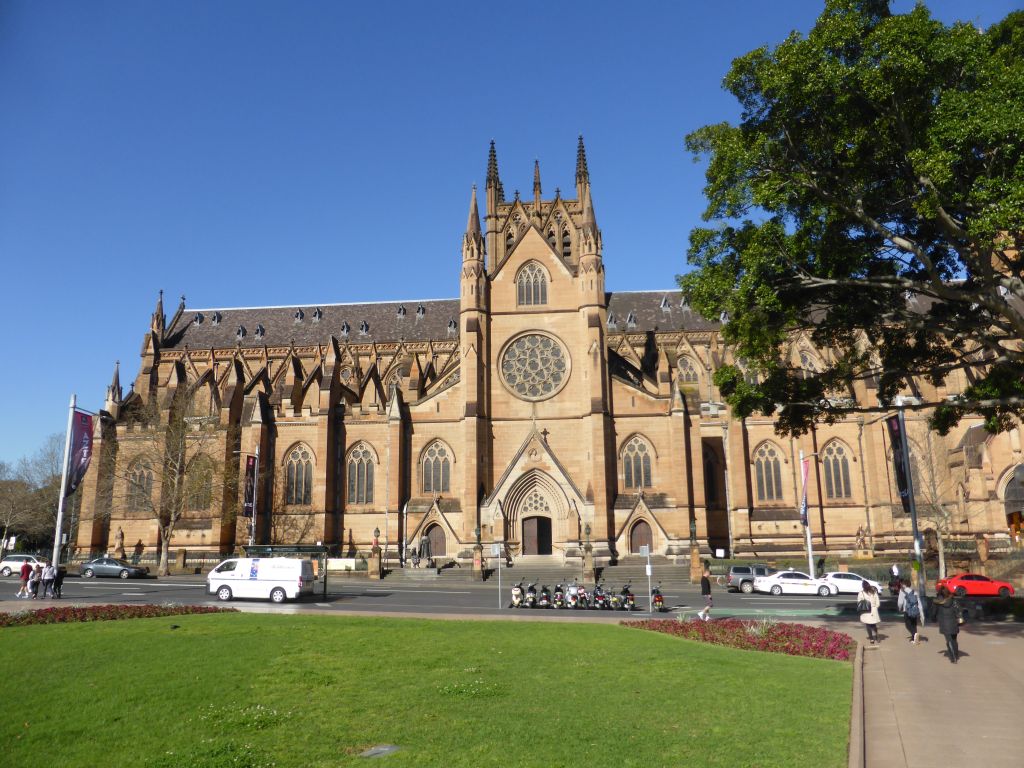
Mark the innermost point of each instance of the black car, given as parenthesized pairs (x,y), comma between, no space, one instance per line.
(112,566)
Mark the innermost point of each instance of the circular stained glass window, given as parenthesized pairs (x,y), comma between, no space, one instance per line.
(534,366)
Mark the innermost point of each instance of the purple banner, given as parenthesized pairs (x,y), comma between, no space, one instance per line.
(81,450)
(900,469)
(249,495)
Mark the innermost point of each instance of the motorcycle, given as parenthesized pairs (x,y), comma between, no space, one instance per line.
(544,601)
(559,598)
(658,600)
(582,601)
(627,599)
(531,596)
(615,603)
(572,595)
(517,596)
(600,601)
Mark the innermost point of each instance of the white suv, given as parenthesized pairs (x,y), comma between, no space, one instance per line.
(12,563)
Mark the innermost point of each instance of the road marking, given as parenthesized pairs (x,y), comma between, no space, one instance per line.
(371,590)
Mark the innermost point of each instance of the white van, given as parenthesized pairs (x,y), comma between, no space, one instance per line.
(276,578)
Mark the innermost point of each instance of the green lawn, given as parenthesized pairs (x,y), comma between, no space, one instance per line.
(259,689)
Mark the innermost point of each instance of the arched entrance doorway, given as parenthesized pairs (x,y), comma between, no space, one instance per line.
(537,536)
(435,535)
(639,536)
(1013,502)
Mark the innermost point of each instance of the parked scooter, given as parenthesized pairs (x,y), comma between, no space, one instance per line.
(628,600)
(615,602)
(531,596)
(559,598)
(657,599)
(544,601)
(517,596)
(582,599)
(572,595)
(600,601)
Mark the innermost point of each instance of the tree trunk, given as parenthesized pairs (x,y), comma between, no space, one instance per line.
(3,543)
(940,545)
(165,548)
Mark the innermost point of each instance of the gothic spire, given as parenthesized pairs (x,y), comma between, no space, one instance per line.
(114,394)
(536,187)
(158,321)
(582,174)
(493,179)
(589,220)
(473,225)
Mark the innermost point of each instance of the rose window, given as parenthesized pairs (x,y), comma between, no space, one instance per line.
(534,366)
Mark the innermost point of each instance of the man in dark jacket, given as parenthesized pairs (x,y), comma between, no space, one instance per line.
(945,610)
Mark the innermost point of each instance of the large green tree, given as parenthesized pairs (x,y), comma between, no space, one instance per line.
(872,196)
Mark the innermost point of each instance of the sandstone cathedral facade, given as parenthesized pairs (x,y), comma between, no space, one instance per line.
(538,409)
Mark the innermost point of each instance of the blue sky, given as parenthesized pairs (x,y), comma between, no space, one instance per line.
(303,153)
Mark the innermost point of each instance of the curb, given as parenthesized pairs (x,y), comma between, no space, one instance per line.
(857,753)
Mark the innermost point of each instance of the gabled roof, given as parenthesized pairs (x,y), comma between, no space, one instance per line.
(218,328)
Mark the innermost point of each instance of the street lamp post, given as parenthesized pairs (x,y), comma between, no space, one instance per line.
(255,491)
(803,512)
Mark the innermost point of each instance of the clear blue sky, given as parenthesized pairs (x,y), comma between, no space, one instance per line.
(303,153)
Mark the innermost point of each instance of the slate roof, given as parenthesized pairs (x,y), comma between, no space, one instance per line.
(631,311)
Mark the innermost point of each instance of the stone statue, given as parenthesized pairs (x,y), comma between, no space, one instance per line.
(861,538)
(119,542)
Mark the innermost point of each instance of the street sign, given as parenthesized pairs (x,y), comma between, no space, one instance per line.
(495,550)
(648,569)
(645,550)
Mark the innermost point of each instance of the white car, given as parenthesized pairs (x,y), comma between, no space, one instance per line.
(793,583)
(848,583)
(12,563)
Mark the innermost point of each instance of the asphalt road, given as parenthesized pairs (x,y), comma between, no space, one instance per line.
(455,598)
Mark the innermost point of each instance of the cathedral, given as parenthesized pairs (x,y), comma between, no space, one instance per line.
(538,409)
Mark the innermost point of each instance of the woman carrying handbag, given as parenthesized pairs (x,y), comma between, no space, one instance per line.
(867,606)
(945,610)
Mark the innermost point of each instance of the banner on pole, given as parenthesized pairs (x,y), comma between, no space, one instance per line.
(803,499)
(899,450)
(81,450)
(249,497)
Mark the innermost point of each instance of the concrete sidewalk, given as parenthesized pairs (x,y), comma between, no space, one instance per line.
(921,711)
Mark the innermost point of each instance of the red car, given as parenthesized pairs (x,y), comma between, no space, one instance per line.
(975,584)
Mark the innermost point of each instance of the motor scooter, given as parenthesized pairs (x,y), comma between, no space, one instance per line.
(531,596)
(572,595)
(627,599)
(559,598)
(657,599)
(544,601)
(517,596)
(582,599)
(600,598)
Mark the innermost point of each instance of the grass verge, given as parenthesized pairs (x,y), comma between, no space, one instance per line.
(255,690)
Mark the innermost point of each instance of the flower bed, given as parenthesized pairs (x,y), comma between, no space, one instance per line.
(71,613)
(766,635)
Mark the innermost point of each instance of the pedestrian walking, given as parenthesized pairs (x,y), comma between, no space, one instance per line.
(58,581)
(945,611)
(26,574)
(705,591)
(910,604)
(33,581)
(49,574)
(867,604)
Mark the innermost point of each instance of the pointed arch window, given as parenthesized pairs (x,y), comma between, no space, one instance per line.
(360,475)
(298,476)
(768,473)
(836,460)
(199,485)
(532,285)
(807,367)
(552,240)
(687,371)
(636,460)
(566,244)
(436,469)
(140,487)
